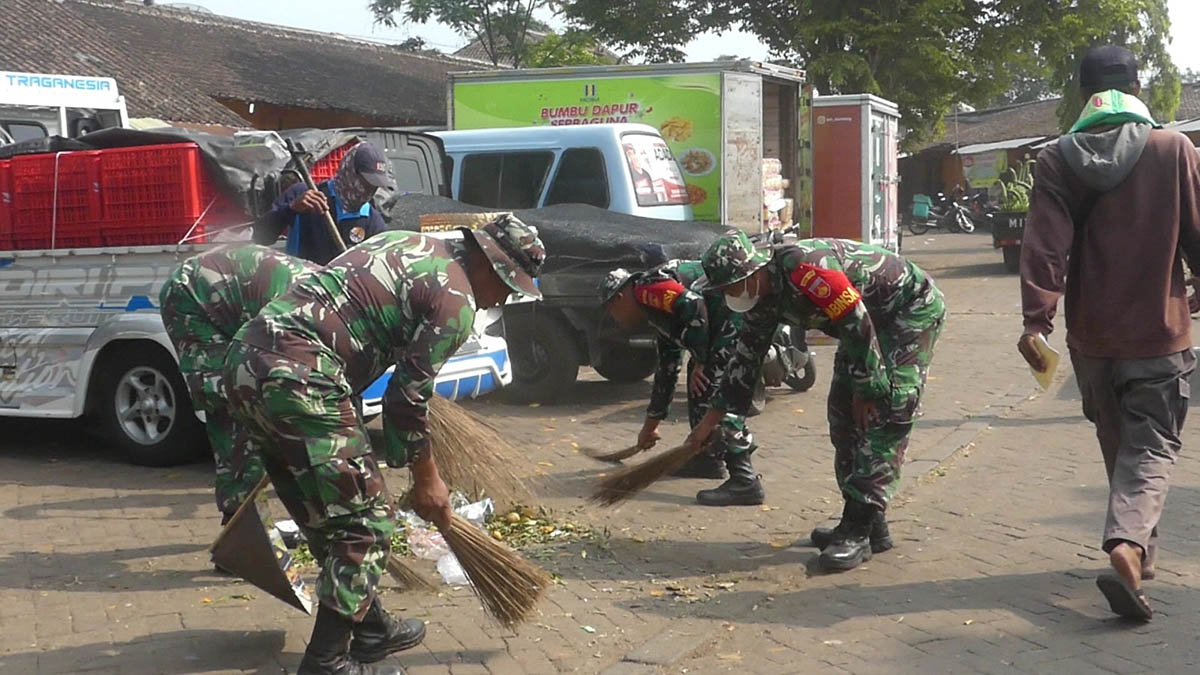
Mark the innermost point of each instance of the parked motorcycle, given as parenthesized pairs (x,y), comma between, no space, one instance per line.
(789,360)
(950,213)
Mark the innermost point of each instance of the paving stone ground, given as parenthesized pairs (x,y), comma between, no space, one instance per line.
(104,566)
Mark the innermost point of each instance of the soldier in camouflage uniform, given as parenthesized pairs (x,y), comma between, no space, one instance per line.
(398,298)
(886,313)
(204,303)
(705,328)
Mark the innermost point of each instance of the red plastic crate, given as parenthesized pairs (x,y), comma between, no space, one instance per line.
(327,167)
(55,200)
(152,184)
(6,242)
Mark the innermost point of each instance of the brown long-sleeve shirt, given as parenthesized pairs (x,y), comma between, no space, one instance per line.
(1121,266)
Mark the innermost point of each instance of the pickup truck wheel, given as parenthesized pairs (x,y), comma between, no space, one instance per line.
(545,358)
(626,364)
(143,407)
(1012,258)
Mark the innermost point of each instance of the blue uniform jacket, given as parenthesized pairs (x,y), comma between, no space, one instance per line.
(308,237)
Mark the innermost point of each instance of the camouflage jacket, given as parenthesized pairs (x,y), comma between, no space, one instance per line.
(210,296)
(684,321)
(398,298)
(857,293)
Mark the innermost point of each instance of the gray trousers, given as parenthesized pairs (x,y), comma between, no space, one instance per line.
(1138,407)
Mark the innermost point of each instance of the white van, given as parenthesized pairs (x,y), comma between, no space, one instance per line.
(37,105)
(626,168)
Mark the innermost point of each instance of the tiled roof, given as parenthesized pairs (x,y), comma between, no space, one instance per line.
(1019,120)
(1024,120)
(1189,103)
(173,63)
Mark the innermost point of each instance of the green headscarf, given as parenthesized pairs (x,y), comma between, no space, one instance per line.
(1113,107)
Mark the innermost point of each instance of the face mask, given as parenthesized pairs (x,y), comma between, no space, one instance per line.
(743,302)
(352,190)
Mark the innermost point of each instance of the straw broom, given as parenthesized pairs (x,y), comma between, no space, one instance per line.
(471,455)
(623,484)
(618,456)
(407,577)
(508,585)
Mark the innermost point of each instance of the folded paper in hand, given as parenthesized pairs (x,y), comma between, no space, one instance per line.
(1050,357)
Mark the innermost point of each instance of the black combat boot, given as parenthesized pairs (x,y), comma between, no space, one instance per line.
(881,539)
(326,653)
(380,634)
(742,489)
(703,465)
(851,544)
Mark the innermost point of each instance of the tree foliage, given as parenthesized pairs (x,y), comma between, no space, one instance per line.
(500,26)
(573,48)
(926,55)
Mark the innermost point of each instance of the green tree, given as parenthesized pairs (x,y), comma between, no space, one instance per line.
(926,55)
(573,48)
(500,26)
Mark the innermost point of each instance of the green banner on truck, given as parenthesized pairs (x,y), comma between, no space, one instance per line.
(686,109)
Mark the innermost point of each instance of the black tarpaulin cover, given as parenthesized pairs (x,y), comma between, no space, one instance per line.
(582,242)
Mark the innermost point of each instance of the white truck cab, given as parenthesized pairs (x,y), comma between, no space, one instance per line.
(39,105)
(627,168)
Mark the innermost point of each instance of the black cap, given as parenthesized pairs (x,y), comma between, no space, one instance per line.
(372,165)
(1108,67)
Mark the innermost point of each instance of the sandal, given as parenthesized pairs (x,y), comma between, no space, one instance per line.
(1125,601)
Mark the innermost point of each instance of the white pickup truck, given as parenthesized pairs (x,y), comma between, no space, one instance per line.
(80,329)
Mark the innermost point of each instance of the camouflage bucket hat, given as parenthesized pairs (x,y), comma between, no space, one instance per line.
(612,284)
(730,259)
(515,251)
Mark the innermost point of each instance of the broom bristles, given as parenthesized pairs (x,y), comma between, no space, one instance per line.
(623,484)
(617,456)
(407,577)
(473,457)
(508,585)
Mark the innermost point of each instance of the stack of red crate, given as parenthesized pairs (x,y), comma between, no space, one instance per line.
(56,200)
(6,241)
(135,196)
(327,167)
(154,194)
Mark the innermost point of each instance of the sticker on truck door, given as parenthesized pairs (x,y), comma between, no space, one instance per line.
(655,174)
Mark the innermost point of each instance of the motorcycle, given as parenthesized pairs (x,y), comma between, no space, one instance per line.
(950,213)
(789,360)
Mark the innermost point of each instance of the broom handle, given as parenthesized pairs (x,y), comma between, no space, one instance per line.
(302,169)
(248,503)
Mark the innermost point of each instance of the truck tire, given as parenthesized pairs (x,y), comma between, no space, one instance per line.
(142,406)
(626,365)
(545,357)
(1012,258)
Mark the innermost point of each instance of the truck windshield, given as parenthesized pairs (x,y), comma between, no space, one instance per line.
(656,178)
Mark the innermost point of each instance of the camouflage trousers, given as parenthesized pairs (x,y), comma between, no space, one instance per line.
(239,465)
(731,437)
(867,462)
(316,450)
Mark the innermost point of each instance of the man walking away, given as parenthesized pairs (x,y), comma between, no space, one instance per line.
(1115,213)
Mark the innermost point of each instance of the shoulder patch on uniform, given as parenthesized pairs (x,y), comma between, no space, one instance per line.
(828,289)
(660,294)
